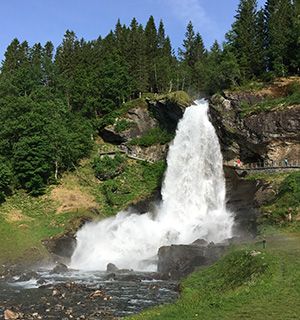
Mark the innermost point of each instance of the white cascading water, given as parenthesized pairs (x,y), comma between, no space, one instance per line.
(192,207)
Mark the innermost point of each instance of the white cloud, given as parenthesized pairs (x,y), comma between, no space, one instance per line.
(192,10)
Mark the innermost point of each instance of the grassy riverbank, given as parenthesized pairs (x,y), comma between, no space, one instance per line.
(249,283)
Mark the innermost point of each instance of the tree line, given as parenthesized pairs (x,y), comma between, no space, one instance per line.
(50,100)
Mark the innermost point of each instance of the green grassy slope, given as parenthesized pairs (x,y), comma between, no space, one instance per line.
(243,285)
(25,220)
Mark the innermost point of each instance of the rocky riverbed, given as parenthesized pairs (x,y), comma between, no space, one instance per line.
(42,294)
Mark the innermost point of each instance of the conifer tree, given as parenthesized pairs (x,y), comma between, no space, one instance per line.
(245,38)
(137,60)
(151,41)
(278,16)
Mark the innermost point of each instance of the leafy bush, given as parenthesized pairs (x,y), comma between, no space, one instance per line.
(287,200)
(137,182)
(122,125)
(153,136)
(108,167)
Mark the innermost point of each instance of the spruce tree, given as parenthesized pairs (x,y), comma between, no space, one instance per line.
(278,16)
(137,59)
(245,38)
(151,41)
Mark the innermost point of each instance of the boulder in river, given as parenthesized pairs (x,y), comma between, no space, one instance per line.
(177,261)
(60,268)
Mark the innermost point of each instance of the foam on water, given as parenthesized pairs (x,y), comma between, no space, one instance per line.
(192,207)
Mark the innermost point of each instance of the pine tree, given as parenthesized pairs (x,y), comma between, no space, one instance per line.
(11,61)
(65,63)
(151,41)
(294,47)
(278,16)
(47,64)
(245,38)
(186,54)
(137,59)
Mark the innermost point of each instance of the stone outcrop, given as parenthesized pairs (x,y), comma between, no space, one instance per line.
(169,109)
(138,121)
(265,136)
(177,261)
(242,199)
(152,153)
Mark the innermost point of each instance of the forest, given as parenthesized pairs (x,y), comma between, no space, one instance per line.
(53,101)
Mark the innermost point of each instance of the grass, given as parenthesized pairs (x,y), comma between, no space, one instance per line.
(180,97)
(25,221)
(242,285)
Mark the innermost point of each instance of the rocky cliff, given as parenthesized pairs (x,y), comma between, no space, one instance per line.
(261,135)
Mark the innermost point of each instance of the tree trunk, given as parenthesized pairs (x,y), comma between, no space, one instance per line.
(56,170)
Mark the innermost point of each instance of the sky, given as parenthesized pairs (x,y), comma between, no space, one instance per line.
(43,20)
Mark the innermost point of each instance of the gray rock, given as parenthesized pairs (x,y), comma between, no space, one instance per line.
(111,268)
(177,261)
(60,268)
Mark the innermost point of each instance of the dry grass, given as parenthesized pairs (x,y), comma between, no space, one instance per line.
(72,199)
(16,215)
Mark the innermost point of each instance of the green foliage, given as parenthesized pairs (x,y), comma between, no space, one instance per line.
(245,39)
(108,167)
(122,125)
(125,189)
(5,179)
(286,200)
(153,136)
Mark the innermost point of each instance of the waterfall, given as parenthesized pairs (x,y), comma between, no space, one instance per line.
(192,206)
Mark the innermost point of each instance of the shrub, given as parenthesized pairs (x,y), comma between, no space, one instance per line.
(122,125)
(153,136)
(108,167)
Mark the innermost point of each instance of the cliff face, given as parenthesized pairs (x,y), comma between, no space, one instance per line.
(158,114)
(265,136)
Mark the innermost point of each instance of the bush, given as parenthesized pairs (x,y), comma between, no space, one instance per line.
(108,167)
(287,200)
(153,136)
(122,125)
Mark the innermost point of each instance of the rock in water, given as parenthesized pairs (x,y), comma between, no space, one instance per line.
(177,261)
(60,268)
(110,268)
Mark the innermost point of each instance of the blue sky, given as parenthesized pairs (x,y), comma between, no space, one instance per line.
(42,20)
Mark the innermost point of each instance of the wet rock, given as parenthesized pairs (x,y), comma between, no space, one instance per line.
(241,197)
(62,246)
(168,111)
(28,276)
(111,268)
(129,277)
(100,294)
(109,277)
(60,268)
(177,261)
